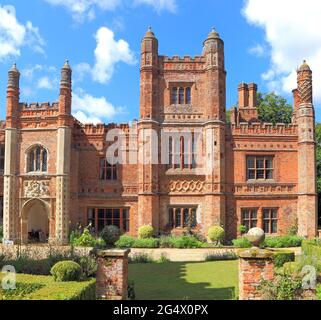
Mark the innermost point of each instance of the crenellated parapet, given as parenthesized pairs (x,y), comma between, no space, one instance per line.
(39,106)
(186,63)
(264,129)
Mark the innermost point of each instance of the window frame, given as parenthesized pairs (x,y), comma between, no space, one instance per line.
(95,219)
(105,168)
(181,95)
(37,160)
(177,214)
(2,157)
(270,220)
(257,169)
(248,222)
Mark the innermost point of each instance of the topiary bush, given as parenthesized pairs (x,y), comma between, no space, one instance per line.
(65,271)
(216,234)
(145,232)
(281,257)
(125,242)
(110,235)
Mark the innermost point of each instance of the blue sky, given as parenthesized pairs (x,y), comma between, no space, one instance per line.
(102,40)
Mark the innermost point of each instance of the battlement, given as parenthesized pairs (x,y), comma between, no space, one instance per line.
(264,129)
(101,129)
(39,106)
(187,59)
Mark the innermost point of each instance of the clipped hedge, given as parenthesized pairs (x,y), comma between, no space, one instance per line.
(145,232)
(283,242)
(312,248)
(319,292)
(150,243)
(283,256)
(45,288)
(242,243)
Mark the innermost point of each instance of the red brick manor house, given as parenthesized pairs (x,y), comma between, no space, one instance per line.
(56,175)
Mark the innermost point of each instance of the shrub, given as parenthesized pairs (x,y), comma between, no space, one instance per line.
(150,243)
(216,234)
(125,242)
(166,242)
(224,256)
(182,242)
(145,232)
(283,287)
(242,243)
(66,271)
(281,257)
(283,242)
(319,292)
(242,229)
(88,265)
(20,292)
(163,258)
(140,258)
(312,248)
(86,239)
(131,295)
(110,235)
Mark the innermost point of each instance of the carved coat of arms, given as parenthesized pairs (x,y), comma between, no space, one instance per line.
(37,189)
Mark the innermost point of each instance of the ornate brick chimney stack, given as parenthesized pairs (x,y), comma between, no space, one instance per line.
(63,157)
(10,208)
(247,103)
(13,95)
(305,117)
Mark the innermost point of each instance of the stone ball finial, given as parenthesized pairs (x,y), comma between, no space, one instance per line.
(304,67)
(256,236)
(213,34)
(149,33)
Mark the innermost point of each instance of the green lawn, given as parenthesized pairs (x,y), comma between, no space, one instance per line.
(194,281)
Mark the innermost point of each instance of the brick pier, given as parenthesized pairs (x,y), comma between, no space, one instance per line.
(255,265)
(112,274)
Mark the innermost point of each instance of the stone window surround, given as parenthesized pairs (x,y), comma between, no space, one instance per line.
(265,156)
(27,151)
(172,215)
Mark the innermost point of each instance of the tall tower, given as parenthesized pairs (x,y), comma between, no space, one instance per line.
(148,132)
(63,156)
(215,79)
(10,209)
(307,200)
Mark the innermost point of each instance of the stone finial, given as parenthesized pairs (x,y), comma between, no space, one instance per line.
(150,33)
(304,67)
(13,77)
(256,236)
(66,73)
(213,34)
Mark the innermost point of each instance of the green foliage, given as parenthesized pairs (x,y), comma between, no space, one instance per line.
(284,286)
(182,242)
(216,234)
(145,232)
(1,233)
(66,271)
(131,295)
(140,258)
(163,258)
(125,242)
(242,242)
(319,292)
(32,287)
(88,265)
(283,242)
(274,109)
(242,229)
(150,243)
(85,239)
(110,235)
(281,257)
(225,256)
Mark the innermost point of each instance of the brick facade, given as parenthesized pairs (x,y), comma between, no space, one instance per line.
(176,94)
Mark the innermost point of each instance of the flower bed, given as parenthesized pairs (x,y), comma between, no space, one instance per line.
(31,287)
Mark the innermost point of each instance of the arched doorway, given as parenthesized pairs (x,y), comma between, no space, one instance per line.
(35,221)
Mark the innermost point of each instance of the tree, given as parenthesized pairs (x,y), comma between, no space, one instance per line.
(274,109)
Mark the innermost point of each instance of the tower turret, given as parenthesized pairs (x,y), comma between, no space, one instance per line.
(13,95)
(65,97)
(148,76)
(213,50)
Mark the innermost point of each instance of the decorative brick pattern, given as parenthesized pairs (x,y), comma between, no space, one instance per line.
(112,275)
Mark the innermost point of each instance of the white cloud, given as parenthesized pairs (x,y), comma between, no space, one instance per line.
(292,31)
(88,108)
(159,5)
(108,53)
(14,35)
(86,9)
(46,83)
(258,50)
